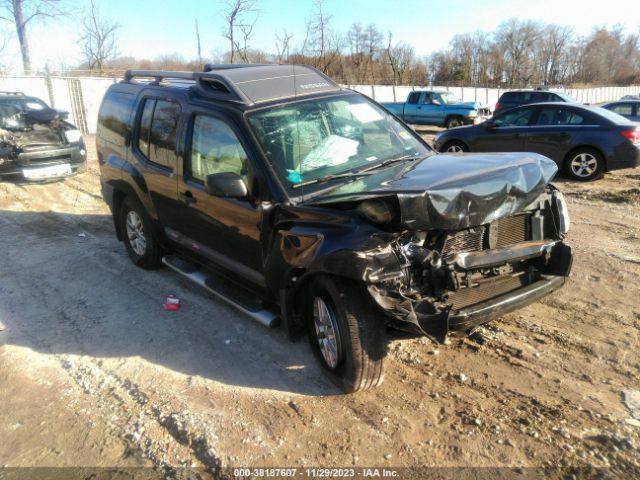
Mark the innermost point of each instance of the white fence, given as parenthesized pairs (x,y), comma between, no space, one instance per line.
(81,96)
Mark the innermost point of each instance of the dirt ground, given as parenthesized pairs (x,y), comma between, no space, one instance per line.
(94,373)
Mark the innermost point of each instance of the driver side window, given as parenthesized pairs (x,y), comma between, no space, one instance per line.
(215,148)
(520,118)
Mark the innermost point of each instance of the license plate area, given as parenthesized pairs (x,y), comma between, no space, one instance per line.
(51,171)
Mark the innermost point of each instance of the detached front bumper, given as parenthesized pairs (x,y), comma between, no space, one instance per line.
(74,155)
(551,263)
(471,317)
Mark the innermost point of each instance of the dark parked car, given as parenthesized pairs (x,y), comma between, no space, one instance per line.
(37,141)
(584,141)
(517,98)
(628,109)
(292,198)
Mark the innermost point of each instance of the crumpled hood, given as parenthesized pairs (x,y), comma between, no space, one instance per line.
(453,191)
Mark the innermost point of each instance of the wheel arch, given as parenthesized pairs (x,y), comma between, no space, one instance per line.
(454,140)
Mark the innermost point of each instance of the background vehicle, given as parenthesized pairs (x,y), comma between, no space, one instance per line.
(442,109)
(584,141)
(324,210)
(628,109)
(36,141)
(630,97)
(516,98)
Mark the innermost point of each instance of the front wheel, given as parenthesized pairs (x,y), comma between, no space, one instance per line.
(454,146)
(585,164)
(139,239)
(346,332)
(453,122)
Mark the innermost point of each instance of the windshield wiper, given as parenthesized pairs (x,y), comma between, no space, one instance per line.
(328,178)
(389,161)
(362,172)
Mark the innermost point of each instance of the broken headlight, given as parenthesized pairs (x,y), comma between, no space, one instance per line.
(561,211)
(376,210)
(73,136)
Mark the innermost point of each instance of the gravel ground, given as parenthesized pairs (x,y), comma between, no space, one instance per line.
(94,373)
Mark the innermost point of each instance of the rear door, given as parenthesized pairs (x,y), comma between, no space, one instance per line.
(506,134)
(154,147)
(224,231)
(553,130)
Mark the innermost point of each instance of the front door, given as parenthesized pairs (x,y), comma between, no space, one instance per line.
(505,133)
(224,231)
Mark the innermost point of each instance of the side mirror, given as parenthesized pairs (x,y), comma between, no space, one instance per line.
(488,124)
(225,184)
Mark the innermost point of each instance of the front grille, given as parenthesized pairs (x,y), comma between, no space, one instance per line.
(465,297)
(508,231)
(469,240)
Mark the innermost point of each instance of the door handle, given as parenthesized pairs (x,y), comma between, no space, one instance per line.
(188,198)
(419,108)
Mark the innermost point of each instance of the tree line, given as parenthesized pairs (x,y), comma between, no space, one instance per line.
(518,53)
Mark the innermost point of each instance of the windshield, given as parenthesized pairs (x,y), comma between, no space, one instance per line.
(321,137)
(449,98)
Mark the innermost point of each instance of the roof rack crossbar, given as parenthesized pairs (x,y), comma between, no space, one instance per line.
(159,75)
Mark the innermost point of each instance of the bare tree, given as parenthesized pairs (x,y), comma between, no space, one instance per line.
(282,46)
(21,13)
(401,59)
(236,12)
(517,39)
(98,38)
(323,45)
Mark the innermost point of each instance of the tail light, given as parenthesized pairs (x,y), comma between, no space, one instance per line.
(633,135)
(496,107)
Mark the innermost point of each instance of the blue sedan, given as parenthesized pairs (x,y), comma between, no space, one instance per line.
(584,141)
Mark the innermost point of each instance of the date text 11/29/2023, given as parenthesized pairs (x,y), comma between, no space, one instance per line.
(315,473)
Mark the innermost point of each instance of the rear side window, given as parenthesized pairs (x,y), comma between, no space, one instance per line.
(623,109)
(510,97)
(113,119)
(413,98)
(157,131)
(558,116)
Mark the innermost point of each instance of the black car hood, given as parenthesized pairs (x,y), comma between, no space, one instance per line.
(453,191)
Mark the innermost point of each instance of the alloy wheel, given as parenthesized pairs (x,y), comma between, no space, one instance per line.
(326,326)
(584,165)
(454,149)
(135,233)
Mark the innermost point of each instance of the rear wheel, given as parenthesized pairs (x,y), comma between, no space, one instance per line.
(584,164)
(346,332)
(139,240)
(454,146)
(453,122)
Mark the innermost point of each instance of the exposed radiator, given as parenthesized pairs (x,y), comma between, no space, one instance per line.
(486,290)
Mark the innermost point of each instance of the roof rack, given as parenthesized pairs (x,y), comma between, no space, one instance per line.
(247,84)
(208,83)
(17,94)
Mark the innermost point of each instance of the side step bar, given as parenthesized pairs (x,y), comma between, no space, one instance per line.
(214,285)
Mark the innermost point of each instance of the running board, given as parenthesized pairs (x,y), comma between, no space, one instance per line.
(246,305)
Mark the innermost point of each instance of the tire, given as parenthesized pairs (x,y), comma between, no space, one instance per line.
(584,164)
(453,122)
(357,330)
(454,146)
(137,232)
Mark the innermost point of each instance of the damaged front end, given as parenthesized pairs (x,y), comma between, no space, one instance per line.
(473,237)
(39,143)
(455,280)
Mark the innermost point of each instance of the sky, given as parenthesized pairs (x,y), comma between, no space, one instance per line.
(150,28)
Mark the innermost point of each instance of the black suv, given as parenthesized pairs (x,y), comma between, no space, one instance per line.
(292,198)
(37,141)
(516,98)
